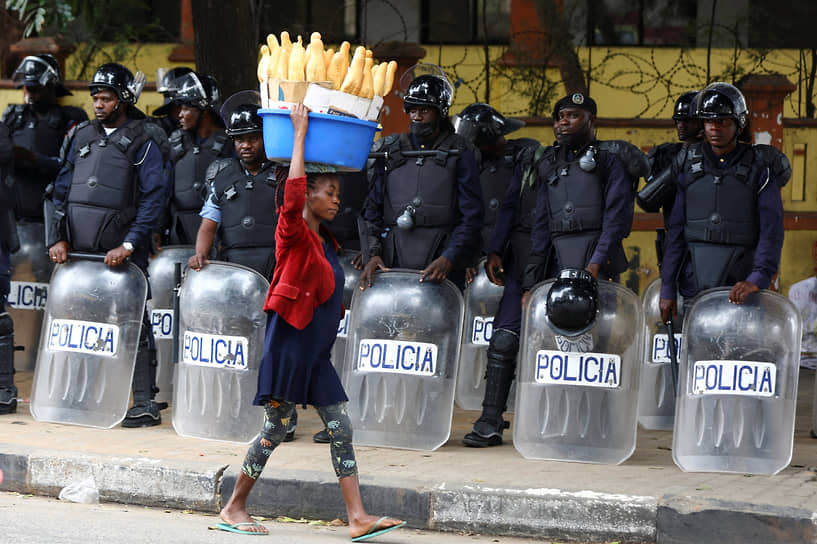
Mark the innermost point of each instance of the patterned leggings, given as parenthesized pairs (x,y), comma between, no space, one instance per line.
(276,417)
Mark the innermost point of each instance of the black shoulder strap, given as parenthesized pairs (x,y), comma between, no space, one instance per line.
(220,139)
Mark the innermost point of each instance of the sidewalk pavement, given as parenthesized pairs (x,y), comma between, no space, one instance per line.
(490,491)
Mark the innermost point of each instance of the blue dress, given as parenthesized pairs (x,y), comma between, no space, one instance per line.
(296,364)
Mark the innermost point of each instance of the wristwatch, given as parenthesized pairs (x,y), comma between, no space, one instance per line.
(128,246)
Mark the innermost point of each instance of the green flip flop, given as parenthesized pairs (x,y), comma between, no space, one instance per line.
(235,528)
(373,532)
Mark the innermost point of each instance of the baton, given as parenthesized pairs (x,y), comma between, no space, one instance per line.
(177,284)
(673,356)
(415,153)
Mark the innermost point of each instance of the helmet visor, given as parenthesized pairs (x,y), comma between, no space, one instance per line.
(34,71)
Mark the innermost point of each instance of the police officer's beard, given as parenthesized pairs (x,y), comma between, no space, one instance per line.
(425,132)
(578,139)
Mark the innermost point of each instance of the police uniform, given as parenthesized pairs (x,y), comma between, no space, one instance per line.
(582,216)
(8,392)
(111,191)
(40,128)
(191,156)
(510,238)
(42,133)
(659,192)
(727,219)
(444,192)
(246,208)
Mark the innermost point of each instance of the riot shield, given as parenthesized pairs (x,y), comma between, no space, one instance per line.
(481,304)
(738,384)
(221,329)
(160,306)
(88,344)
(350,285)
(31,272)
(656,393)
(402,353)
(576,396)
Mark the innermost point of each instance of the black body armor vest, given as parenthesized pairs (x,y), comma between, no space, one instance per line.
(43,134)
(189,184)
(428,185)
(576,206)
(249,213)
(722,225)
(101,203)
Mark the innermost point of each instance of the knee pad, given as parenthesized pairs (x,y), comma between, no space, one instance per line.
(504,346)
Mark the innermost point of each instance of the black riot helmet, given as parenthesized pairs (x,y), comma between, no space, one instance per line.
(117,78)
(166,80)
(197,90)
(483,125)
(685,107)
(39,71)
(572,302)
(240,113)
(721,100)
(426,85)
(167,84)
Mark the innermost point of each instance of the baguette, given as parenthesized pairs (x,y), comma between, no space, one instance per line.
(339,66)
(367,86)
(354,77)
(297,62)
(263,63)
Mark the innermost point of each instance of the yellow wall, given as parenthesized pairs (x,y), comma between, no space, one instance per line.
(626,83)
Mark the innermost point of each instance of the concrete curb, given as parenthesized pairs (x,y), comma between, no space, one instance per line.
(684,521)
(543,513)
(131,480)
(548,513)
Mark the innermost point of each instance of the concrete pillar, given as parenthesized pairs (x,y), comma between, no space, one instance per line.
(184,51)
(764,97)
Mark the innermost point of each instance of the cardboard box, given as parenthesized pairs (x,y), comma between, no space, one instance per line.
(319,98)
(281,90)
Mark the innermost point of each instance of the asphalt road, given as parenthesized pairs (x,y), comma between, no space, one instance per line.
(39,520)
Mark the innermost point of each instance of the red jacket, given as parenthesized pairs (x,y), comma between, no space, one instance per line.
(303,278)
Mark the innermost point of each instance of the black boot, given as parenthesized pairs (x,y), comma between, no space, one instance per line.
(145,411)
(499,374)
(8,392)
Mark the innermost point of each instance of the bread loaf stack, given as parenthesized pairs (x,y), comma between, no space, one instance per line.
(292,61)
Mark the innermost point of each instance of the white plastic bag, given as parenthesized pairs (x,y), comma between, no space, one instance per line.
(84,492)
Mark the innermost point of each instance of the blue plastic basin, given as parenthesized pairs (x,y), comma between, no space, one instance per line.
(343,142)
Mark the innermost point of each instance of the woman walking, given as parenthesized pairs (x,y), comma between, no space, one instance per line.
(304,306)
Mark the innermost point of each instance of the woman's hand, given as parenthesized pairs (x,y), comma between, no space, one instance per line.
(300,120)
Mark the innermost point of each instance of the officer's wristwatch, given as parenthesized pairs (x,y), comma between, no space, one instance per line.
(128,246)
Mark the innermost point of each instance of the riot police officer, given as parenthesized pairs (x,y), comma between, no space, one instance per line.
(584,208)
(200,141)
(659,193)
(509,184)
(38,127)
(110,193)
(726,226)
(423,212)
(8,391)
(167,115)
(244,194)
